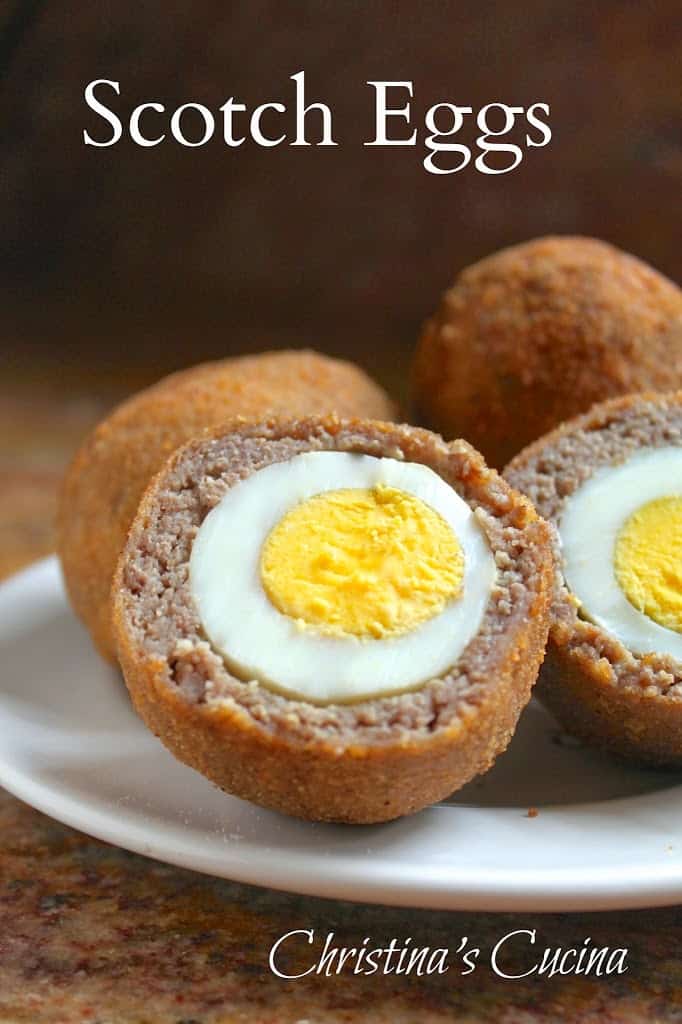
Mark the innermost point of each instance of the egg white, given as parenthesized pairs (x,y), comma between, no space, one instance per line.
(591,520)
(259,642)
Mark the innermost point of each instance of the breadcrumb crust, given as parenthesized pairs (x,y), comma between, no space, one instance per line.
(539,332)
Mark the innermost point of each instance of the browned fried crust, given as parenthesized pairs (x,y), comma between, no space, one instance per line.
(536,334)
(365,762)
(628,704)
(108,475)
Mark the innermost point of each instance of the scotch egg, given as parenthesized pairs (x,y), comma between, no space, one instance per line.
(337,619)
(611,482)
(537,333)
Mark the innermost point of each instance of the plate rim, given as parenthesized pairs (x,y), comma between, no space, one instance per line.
(497,890)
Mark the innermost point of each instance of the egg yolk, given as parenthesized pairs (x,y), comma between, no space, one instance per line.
(648,561)
(366,562)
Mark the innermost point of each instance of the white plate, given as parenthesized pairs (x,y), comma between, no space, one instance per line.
(71,745)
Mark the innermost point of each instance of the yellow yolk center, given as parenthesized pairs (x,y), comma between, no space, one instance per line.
(370,563)
(648,561)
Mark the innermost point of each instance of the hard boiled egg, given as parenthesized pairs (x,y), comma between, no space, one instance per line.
(621,534)
(337,577)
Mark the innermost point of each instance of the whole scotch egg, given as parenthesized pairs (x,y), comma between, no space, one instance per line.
(537,333)
(338,619)
(611,481)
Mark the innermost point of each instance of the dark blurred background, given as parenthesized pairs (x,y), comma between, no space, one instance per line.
(120,264)
(163,256)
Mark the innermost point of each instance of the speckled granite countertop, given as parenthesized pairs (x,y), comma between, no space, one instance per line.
(90,933)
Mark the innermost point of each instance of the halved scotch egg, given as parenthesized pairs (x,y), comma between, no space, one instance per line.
(611,481)
(337,619)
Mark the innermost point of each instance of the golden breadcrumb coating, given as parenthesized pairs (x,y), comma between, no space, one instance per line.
(539,332)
